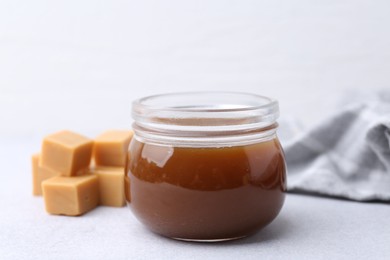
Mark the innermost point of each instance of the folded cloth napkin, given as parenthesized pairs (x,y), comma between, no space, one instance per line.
(346,155)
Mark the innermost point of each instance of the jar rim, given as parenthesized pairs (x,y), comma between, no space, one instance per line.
(142,103)
(206,108)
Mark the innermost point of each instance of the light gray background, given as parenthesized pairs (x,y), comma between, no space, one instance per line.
(78,65)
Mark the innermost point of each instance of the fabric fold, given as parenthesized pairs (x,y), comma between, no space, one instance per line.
(346,156)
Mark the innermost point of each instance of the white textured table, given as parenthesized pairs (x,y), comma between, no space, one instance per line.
(307,228)
(78,64)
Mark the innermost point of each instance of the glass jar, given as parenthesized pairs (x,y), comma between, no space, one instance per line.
(205,166)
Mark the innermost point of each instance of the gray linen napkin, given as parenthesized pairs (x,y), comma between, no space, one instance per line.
(346,155)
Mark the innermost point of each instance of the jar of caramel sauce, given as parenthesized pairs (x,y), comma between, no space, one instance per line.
(205,166)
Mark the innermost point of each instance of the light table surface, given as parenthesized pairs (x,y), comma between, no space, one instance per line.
(307,228)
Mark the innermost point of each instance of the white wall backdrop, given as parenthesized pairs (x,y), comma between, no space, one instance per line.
(79,64)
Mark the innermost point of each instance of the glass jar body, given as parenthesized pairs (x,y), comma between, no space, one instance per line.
(205,193)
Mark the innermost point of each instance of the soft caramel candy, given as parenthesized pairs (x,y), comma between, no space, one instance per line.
(110,148)
(39,174)
(66,152)
(111,185)
(70,196)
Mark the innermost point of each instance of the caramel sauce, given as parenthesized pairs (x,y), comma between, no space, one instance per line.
(205,193)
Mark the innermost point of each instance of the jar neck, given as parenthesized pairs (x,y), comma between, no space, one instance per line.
(204,139)
(205,119)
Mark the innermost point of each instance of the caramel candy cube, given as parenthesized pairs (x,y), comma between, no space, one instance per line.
(111,185)
(66,152)
(110,148)
(39,174)
(70,196)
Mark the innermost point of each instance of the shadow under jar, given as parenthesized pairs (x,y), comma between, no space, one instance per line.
(205,166)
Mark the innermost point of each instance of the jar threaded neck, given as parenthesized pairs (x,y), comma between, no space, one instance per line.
(205,118)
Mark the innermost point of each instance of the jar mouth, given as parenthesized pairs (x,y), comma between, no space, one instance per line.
(205,111)
(206,101)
